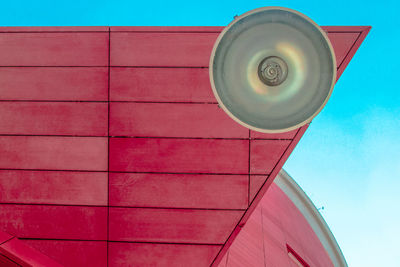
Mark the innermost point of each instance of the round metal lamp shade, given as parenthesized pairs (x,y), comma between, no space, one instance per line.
(272,69)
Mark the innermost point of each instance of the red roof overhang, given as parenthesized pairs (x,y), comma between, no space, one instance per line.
(114,141)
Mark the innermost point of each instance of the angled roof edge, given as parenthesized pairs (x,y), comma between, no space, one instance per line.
(362,31)
(16,251)
(304,204)
(261,192)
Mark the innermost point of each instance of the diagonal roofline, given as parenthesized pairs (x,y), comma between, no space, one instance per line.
(304,204)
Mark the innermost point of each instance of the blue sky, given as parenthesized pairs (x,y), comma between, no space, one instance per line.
(349,159)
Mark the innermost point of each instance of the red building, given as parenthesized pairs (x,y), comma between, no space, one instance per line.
(113,151)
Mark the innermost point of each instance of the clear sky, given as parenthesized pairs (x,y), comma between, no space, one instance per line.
(349,159)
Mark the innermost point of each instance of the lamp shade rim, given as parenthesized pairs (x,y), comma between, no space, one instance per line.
(287,128)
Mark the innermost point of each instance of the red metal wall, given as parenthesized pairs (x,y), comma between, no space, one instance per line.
(113,149)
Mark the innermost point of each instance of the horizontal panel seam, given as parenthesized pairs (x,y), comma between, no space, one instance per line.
(143,137)
(120,241)
(114,171)
(102,66)
(24,32)
(115,206)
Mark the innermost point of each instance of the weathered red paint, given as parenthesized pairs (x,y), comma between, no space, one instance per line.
(171,225)
(53,49)
(165,255)
(159,49)
(264,154)
(53,153)
(53,84)
(76,192)
(53,187)
(161,85)
(73,253)
(179,155)
(53,118)
(54,222)
(173,120)
(204,191)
